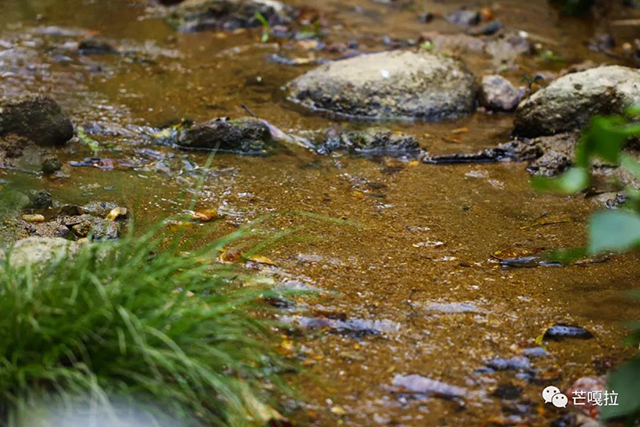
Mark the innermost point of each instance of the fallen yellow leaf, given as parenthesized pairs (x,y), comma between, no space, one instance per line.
(204,215)
(261,259)
(117,213)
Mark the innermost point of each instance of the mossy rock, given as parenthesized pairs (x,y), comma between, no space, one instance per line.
(36,118)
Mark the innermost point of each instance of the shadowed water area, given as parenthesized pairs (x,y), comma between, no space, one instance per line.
(408,265)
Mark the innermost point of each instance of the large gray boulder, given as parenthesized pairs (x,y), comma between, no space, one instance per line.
(38,250)
(197,15)
(569,102)
(36,118)
(398,84)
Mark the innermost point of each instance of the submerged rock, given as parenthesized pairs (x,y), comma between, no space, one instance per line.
(11,147)
(464,17)
(356,328)
(91,226)
(50,165)
(373,142)
(512,364)
(242,136)
(96,46)
(497,93)
(561,331)
(569,102)
(417,384)
(197,15)
(40,199)
(37,118)
(507,392)
(398,84)
(547,155)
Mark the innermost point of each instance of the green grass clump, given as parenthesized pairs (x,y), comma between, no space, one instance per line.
(132,320)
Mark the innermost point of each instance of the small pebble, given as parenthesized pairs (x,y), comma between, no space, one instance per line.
(33,218)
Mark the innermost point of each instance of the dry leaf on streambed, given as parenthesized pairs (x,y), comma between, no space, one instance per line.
(460,131)
(545,220)
(234,256)
(515,253)
(261,412)
(205,215)
(116,213)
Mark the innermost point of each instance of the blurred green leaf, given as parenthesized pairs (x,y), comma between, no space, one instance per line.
(605,138)
(572,181)
(266,27)
(630,164)
(634,111)
(626,382)
(87,140)
(614,230)
(567,256)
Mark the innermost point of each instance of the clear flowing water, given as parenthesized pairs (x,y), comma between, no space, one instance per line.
(412,251)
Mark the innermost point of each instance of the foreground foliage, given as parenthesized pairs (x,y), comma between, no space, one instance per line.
(614,230)
(131,321)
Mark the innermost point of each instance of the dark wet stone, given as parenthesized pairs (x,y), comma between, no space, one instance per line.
(566,420)
(613,200)
(46,229)
(547,155)
(372,142)
(351,327)
(11,147)
(197,15)
(486,30)
(464,17)
(484,371)
(529,262)
(37,118)
(490,155)
(603,43)
(242,136)
(95,46)
(507,392)
(523,408)
(99,208)
(395,84)
(417,384)
(70,210)
(498,94)
(561,331)
(535,352)
(51,165)
(425,17)
(528,375)
(550,163)
(91,226)
(569,102)
(40,199)
(512,364)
